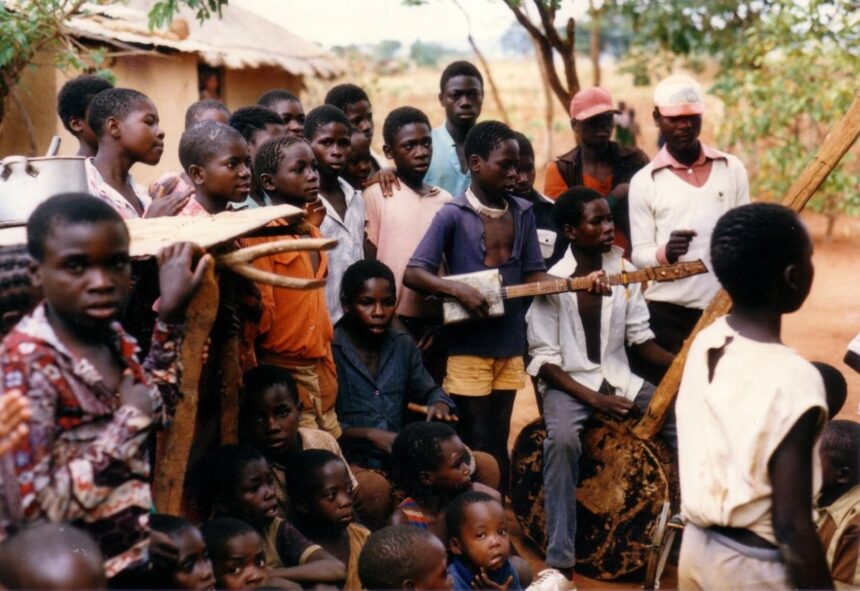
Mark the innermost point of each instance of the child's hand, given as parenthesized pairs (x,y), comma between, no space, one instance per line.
(159,189)
(163,553)
(483,581)
(679,244)
(616,406)
(14,412)
(387,179)
(179,279)
(471,299)
(599,283)
(439,411)
(134,394)
(315,212)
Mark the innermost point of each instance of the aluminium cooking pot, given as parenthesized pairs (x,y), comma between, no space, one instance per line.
(26,182)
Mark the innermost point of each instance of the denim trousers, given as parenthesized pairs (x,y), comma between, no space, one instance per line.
(565,417)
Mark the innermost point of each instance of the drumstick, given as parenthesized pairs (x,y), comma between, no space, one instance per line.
(418,408)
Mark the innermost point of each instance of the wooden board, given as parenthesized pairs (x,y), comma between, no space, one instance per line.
(149,235)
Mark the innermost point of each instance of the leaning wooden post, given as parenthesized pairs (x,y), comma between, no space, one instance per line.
(840,139)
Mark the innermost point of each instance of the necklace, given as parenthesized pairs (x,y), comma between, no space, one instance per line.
(483,209)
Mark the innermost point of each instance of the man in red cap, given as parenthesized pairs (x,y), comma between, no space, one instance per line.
(675,202)
(597,162)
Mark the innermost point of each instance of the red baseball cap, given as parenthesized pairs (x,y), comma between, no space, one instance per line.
(589,102)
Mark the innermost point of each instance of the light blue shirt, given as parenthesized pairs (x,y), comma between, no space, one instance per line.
(349,232)
(445,171)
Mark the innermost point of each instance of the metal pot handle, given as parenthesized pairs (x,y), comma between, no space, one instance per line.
(7,163)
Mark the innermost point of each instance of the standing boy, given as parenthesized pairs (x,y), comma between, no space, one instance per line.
(355,104)
(73,102)
(288,106)
(257,125)
(461,94)
(360,163)
(675,202)
(749,413)
(577,345)
(94,405)
(328,131)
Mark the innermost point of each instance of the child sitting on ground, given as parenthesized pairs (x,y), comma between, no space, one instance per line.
(480,544)
(215,158)
(355,104)
(241,486)
(294,330)
(288,106)
(404,557)
(190,566)
(431,466)
(73,102)
(238,555)
(749,413)
(51,556)
(269,422)
(257,125)
(328,131)
(94,405)
(322,492)
(358,166)
(839,502)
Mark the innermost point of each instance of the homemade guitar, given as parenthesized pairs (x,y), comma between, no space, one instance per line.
(489,284)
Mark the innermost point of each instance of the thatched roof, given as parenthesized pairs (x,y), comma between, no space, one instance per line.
(238,40)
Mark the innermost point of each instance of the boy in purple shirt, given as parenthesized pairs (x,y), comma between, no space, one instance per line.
(485,228)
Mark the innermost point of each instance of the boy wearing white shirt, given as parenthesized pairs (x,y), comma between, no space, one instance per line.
(576,341)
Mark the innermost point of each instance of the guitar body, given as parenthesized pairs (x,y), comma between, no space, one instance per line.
(624,482)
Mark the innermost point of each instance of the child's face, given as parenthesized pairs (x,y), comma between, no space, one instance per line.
(596,230)
(297,180)
(412,150)
(358,165)
(802,274)
(85,274)
(293,115)
(360,115)
(331,146)
(452,475)
(483,538)
(497,174)
(140,134)
(462,100)
(227,175)
(333,501)
(261,136)
(83,131)
(255,494)
(273,421)
(244,565)
(194,570)
(373,308)
(435,577)
(526,174)
(595,131)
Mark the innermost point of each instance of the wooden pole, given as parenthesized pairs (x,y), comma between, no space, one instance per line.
(840,139)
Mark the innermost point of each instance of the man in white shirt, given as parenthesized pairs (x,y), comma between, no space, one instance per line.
(675,201)
(576,341)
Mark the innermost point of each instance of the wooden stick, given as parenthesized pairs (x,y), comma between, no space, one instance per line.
(840,139)
(417,408)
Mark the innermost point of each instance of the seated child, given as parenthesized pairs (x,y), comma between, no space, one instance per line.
(269,422)
(480,544)
(288,106)
(257,125)
(749,413)
(241,486)
(94,405)
(125,122)
(215,158)
(403,557)
(577,344)
(294,330)
(431,466)
(328,131)
(839,503)
(321,489)
(73,102)
(237,554)
(51,556)
(190,567)
(355,104)
(18,297)
(358,167)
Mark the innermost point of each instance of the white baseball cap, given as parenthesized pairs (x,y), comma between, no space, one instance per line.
(679,95)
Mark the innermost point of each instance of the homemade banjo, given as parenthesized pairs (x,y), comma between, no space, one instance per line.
(489,284)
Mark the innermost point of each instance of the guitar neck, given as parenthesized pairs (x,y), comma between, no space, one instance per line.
(572,284)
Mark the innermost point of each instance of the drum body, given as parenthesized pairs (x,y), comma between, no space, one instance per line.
(623,483)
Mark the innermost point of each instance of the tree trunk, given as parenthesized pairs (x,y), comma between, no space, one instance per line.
(494,90)
(549,103)
(594,42)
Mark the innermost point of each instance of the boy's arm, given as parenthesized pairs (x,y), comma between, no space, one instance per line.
(643,229)
(372,219)
(320,567)
(425,390)
(790,469)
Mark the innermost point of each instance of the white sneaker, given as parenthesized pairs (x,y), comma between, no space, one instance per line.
(551,579)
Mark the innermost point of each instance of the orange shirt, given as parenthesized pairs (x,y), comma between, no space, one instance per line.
(553,184)
(603,187)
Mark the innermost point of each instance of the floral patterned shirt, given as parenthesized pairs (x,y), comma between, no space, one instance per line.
(86,460)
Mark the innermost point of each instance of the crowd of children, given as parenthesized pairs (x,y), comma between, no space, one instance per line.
(373,439)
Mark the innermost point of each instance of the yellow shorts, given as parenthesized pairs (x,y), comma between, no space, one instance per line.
(470,375)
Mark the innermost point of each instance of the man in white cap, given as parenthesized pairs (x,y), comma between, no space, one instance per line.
(675,201)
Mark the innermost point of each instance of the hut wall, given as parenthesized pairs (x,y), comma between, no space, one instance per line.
(37,91)
(244,87)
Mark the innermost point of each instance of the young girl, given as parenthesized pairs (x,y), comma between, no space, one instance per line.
(237,552)
(321,490)
(191,567)
(241,483)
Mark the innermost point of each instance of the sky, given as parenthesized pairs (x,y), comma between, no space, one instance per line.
(346,22)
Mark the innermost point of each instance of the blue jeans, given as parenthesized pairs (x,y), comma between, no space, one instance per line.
(565,416)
